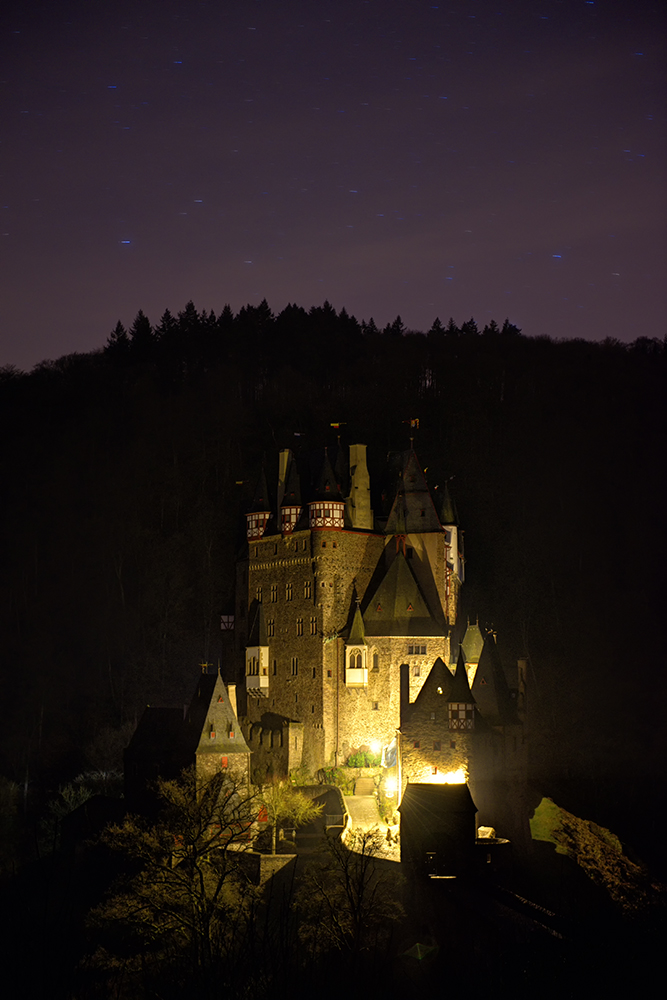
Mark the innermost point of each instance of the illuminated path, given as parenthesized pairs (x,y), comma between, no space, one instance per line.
(363,812)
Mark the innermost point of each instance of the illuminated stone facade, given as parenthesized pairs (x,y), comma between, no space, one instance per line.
(346,598)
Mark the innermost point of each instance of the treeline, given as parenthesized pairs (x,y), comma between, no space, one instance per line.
(127,470)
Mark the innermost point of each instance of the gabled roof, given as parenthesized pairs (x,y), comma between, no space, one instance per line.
(398,606)
(258,634)
(413,510)
(211,712)
(437,685)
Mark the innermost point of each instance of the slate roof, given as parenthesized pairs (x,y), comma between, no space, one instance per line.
(211,711)
(448,511)
(413,510)
(460,689)
(491,690)
(292,495)
(427,803)
(261,501)
(258,635)
(473,643)
(326,487)
(398,606)
(356,637)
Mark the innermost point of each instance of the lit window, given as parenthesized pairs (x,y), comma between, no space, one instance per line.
(259,594)
(288,591)
(274,593)
(313,626)
(271,627)
(299,626)
(307,589)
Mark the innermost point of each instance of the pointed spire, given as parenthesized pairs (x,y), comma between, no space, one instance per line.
(460,689)
(448,512)
(357,635)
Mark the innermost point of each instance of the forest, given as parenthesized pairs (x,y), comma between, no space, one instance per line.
(127,471)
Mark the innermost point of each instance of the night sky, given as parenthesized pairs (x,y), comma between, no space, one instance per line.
(392,156)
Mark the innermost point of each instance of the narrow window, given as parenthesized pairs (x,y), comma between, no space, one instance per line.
(313,625)
(299,626)
(314,672)
(275,667)
(288,591)
(271,627)
(274,593)
(328,673)
(295,666)
(307,590)
(376,662)
(258,594)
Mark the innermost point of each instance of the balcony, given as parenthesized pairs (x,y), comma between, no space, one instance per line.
(257,685)
(356,677)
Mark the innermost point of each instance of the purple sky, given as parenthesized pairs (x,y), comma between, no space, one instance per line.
(392,156)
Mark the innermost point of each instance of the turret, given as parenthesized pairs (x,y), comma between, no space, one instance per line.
(289,486)
(356,654)
(257,655)
(257,517)
(326,509)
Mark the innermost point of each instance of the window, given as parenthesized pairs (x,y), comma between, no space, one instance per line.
(288,591)
(328,673)
(376,662)
(295,666)
(416,650)
(258,594)
(376,706)
(312,710)
(436,745)
(313,625)
(307,589)
(432,716)
(314,672)
(275,667)
(274,593)
(299,626)
(416,744)
(270,627)
(224,763)
(434,770)
(415,671)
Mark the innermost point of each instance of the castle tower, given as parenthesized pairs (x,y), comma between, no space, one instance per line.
(345,601)
(358,513)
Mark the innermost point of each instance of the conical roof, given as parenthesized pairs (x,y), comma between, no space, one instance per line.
(261,502)
(292,494)
(448,512)
(326,487)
